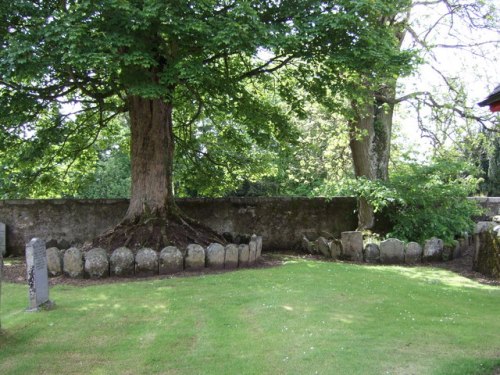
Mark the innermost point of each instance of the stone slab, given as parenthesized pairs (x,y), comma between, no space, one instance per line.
(243,255)
(392,251)
(215,255)
(231,257)
(37,274)
(433,250)
(352,245)
(195,257)
(372,253)
(413,253)
(171,260)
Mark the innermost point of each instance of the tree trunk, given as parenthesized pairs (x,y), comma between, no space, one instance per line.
(152,155)
(153,219)
(370,143)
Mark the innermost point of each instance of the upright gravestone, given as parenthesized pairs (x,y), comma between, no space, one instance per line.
(37,275)
(3,249)
(352,245)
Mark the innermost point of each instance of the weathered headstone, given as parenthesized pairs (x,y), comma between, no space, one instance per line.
(215,255)
(413,253)
(322,246)
(146,262)
(231,257)
(243,255)
(372,253)
(96,263)
(171,260)
(259,247)
(195,257)
(433,249)
(73,263)
(352,245)
(54,261)
(122,262)
(253,250)
(37,275)
(3,249)
(392,251)
(335,248)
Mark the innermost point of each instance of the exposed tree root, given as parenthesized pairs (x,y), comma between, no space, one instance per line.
(157,232)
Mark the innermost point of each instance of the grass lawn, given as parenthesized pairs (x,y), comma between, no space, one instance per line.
(306,317)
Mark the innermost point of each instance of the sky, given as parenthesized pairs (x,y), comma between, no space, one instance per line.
(477,67)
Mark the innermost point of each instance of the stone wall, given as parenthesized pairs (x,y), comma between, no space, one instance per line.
(282,222)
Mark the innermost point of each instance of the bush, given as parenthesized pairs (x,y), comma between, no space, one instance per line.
(423,201)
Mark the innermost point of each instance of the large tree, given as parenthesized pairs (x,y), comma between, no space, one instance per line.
(147,58)
(423,27)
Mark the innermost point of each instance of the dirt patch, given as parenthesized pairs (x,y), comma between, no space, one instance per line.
(15,270)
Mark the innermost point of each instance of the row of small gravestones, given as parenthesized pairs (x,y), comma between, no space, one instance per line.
(391,251)
(96,263)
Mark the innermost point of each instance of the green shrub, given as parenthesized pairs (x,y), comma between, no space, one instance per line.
(423,201)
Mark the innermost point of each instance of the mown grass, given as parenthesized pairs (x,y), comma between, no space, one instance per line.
(306,317)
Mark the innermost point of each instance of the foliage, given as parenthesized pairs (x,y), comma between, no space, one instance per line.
(301,318)
(198,55)
(423,201)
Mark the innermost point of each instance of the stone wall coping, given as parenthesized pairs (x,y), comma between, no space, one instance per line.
(246,200)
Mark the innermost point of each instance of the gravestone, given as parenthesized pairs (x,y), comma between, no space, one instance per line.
(122,262)
(335,248)
(146,262)
(392,251)
(372,253)
(96,264)
(37,275)
(195,258)
(215,255)
(3,249)
(352,245)
(413,253)
(322,245)
(433,249)
(171,260)
(253,251)
(231,257)
(243,255)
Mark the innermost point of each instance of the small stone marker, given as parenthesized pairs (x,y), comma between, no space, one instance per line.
(215,255)
(231,257)
(3,249)
(413,253)
(54,261)
(259,246)
(146,262)
(122,262)
(73,263)
(37,275)
(352,245)
(392,251)
(253,250)
(195,258)
(243,255)
(433,249)
(335,248)
(171,260)
(96,264)
(372,253)
(322,245)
